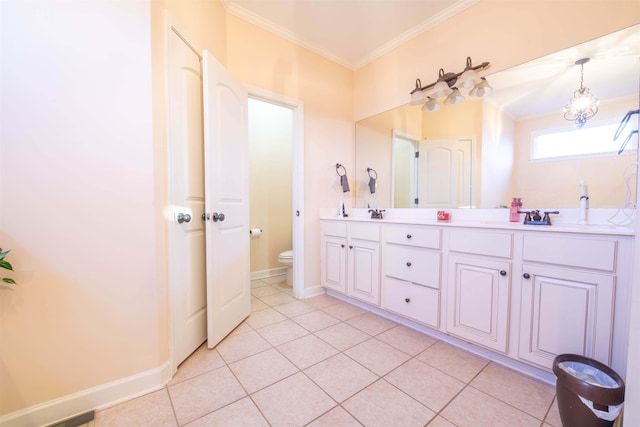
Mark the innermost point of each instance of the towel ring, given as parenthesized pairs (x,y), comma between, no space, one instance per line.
(369,170)
(338,166)
(623,123)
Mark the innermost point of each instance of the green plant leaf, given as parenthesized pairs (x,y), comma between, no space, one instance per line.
(4,254)
(8,280)
(6,265)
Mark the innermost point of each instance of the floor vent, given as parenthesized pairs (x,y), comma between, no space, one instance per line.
(76,421)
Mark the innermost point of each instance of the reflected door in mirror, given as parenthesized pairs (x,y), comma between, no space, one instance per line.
(444,174)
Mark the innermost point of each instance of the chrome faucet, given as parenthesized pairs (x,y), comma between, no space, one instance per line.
(376,214)
(533,217)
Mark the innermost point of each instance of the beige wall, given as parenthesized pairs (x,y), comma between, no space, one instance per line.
(497,158)
(270,166)
(78,208)
(263,60)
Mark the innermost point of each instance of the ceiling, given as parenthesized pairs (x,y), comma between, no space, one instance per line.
(349,32)
(547,83)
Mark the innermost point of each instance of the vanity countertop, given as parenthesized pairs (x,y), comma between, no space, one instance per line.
(489,220)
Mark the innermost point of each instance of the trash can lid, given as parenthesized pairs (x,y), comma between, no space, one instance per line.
(588,373)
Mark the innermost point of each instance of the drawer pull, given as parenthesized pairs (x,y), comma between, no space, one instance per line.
(408,236)
(408,264)
(407,300)
(503,273)
(526,275)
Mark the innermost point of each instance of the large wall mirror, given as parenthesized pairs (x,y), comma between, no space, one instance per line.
(492,138)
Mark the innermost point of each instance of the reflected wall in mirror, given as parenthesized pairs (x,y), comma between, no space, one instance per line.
(479,153)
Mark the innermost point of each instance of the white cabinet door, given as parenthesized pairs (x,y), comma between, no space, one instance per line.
(334,263)
(478,301)
(364,270)
(565,311)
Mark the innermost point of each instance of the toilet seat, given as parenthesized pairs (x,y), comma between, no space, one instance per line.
(286,255)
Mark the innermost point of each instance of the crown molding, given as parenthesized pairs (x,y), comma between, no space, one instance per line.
(261,22)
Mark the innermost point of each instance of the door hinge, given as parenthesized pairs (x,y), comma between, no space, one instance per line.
(415,200)
(417,154)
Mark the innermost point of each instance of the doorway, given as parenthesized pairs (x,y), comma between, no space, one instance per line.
(276,172)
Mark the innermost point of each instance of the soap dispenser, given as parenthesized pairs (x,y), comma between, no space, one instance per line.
(514,216)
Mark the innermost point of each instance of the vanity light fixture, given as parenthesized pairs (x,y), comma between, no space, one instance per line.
(431,105)
(582,105)
(482,89)
(417,95)
(448,87)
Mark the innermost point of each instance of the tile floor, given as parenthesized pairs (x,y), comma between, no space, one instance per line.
(323,362)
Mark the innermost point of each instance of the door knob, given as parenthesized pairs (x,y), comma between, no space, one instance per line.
(407,300)
(217,217)
(408,264)
(183,218)
(503,273)
(526,275)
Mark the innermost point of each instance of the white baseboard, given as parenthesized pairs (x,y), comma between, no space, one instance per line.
(313,291)
(261,274)
(95,398)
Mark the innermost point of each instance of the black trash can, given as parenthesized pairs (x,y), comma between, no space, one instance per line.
(600,387)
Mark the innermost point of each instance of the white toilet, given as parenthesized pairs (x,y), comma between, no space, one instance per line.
(286,259)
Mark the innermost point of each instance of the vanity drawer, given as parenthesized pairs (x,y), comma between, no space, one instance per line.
(415,265)
(364,231)
(594,254)
(413,301)
(481,243)
(413,236)
(334,228)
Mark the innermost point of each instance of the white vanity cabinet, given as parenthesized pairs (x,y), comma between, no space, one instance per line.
(411,272)
(567,298)
(521,294)
(350,259)
(479,287)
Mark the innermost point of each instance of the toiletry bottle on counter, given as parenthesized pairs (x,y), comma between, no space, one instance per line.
(514,216)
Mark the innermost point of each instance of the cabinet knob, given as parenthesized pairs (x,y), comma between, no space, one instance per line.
(342,246)
(526,275)
(408,264)
(408,236)
(350,247)
(503,273)
(407,300)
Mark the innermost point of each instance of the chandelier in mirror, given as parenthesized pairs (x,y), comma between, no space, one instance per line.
(582,105)
(448,86)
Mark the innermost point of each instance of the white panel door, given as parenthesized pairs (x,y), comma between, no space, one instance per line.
(186,194)
(444,173)
(227,200)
